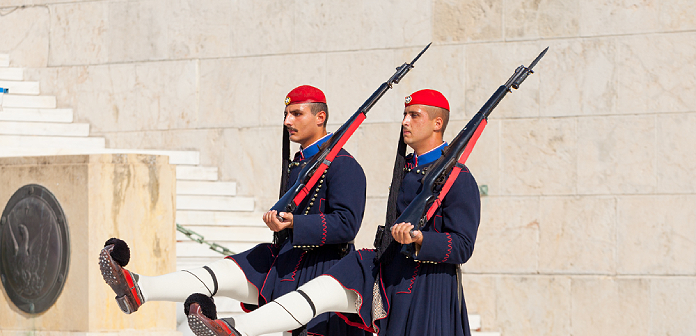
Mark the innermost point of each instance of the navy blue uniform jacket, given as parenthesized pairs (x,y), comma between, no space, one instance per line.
(418,296)
(325,221)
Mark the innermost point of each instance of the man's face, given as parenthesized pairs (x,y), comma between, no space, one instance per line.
(417,125)
(303,126)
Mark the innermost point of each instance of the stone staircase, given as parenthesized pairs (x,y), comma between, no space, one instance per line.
(32,125)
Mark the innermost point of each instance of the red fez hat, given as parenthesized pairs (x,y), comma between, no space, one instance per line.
(427,97)
(305,94)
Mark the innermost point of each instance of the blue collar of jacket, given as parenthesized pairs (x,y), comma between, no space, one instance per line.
(428,157)
(313,149)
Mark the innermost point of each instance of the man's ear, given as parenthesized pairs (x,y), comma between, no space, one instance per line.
(321,118)
(438,124)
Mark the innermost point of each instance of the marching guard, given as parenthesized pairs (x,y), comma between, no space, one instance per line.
(307,242)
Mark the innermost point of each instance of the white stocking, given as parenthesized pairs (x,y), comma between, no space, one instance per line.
(179,285)
(292,310)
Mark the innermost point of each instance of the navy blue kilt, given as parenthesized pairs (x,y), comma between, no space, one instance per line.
(407,296)
(416,298)
(276,270)
(325,221)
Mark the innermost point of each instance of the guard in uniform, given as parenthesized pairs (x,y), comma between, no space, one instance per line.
(382,290)
(306,242)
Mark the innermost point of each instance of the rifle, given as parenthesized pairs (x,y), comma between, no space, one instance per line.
(317,165)
(444,171)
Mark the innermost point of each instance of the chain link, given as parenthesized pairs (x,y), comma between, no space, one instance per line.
(197,237)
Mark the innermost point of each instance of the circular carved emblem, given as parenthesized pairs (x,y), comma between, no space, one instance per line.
(34,249)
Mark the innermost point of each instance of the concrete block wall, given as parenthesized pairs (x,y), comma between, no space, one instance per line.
(588,226)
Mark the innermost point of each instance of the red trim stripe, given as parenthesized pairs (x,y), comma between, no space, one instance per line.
(455,171)
(329,157)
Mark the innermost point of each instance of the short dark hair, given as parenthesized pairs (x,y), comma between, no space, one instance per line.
(434,112)
(318,107)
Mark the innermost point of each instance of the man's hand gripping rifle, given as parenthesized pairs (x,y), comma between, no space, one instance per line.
(313,170)
(444,171)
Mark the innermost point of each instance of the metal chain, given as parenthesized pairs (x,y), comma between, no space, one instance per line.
(197,237)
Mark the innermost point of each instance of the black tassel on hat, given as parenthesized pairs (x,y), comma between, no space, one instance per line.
(384,252)
(279,237)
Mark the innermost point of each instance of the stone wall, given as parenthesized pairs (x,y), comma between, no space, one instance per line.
(588,227)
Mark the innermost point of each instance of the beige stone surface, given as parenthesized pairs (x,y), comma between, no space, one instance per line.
(676,154)
(376,151)
(230,93)
(328,21)
(534,305)
(128,196)
(539,156)
(394,24)
(137,30)
(26,36)
(656,235)
(488,66)
(672,306)
(484,161)
(261,27)
(531,19)
(470,20)
(508,236)
(657,73)
(480,294)
(199,29)
(449,62)
(616,155)
(676,15)
(138,96)
(79,33)
(602,17)
(159,29)
(353,76)
(579,77)
(577,235)
(611,306)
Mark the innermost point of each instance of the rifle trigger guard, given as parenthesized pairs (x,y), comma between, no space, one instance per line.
(459,165)
(327,162)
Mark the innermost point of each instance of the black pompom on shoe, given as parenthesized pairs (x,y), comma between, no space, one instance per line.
(207,305)
(121,251)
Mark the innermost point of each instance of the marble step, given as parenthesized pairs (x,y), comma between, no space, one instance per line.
(49,144)
(206,188)
(43,102)
(175,157)
(220,218)
(37,115)
(21,87)
(4,60)
(44,129)
(196,173)
(220,234)
(214,203)
(13,74)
